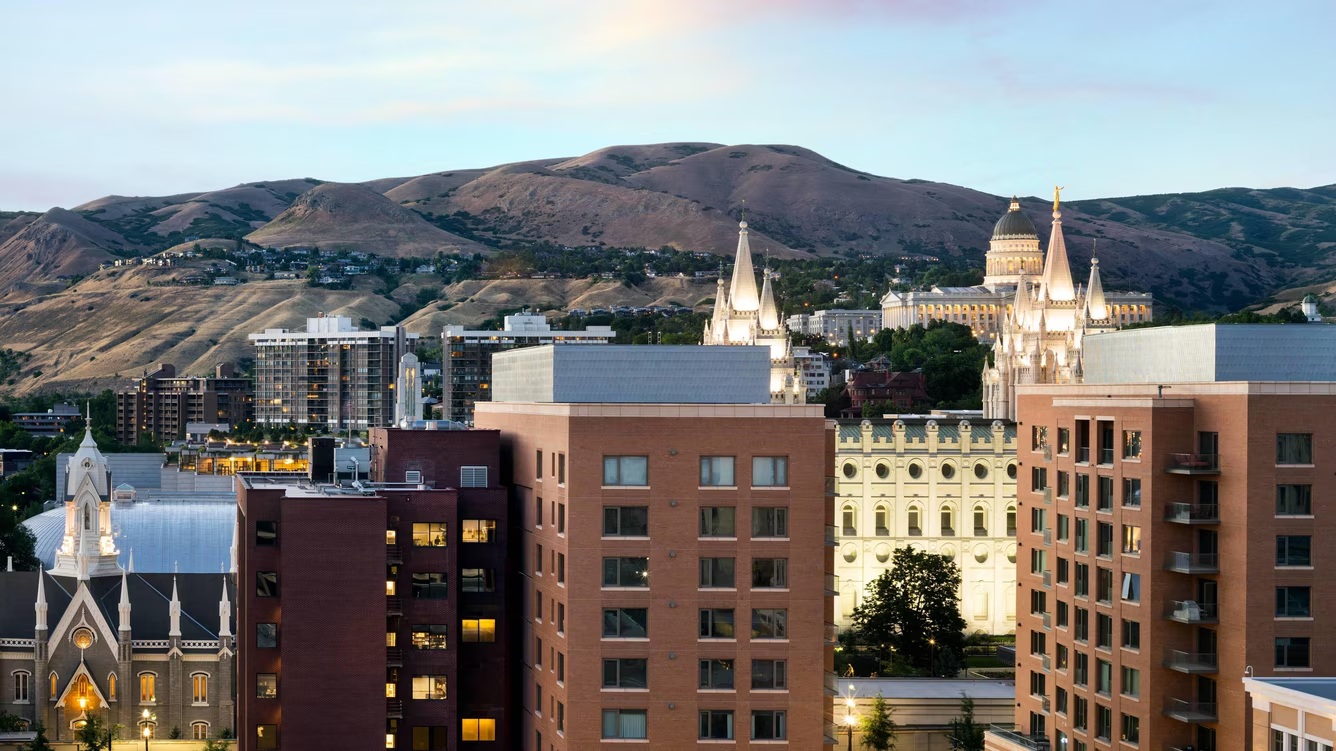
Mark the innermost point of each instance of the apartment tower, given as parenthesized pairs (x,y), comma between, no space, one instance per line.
(675,533)
(162,404)
(1169,507)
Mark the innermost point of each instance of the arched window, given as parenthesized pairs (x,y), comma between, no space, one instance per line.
(54,680)
(980,521)
(914,525)
(82,689)
(883,521)
(847,518)
(1011,521)
(199,684)
(148,688)
(199,730)
(948,515)
(21,679)
(111,687)
(87,520)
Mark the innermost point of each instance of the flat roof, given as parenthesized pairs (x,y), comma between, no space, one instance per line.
(927,688)
(1320,687)
(1212,353)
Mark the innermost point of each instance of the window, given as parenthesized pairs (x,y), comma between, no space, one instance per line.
(1131,587)
(478,530)
(1294,550)
(538,560)
(1081,671)
(1292,652)
(716,471)
(430,636)
(1105,542)
(980,470)
(1294,448)
(266,584)
(1038,479)
(480,630)
(21,686)
(53,682)
(1011,521)
(770,573)
(429,687)
(716,623)
(111,688)
(1131,635)
(625,723)
(429,534)
(1104,584)
(475,580)
(626,572)
(948,470)
(266,635)
(1103,631)
(1038,437)
(626,521)
(1294,602)
(770,623)
(561,469)
(1103,722)
(199,686)
(1131,444)
(850,470)
(626,470)
(1061,614)
(1079,718)
(538,465)
(718,521)
(1082,587)
(431,586)
(1060,701)
(1131,685)
(1064,441)
(148,688)
(770,522)
(1294,500)
(561,618)
(266,686)
(770,471)
(716,724)
(769,675)
(769,725)
(1081,632)
(980,521)
(1103,677)
(561,518)
(429,738)
(1131,492)
(1131,540)
(1064,484)
(626,623)
(626,673)
(1105,500)
(561,568)
(717,573)
(1064,527)
(1082,536)
(266,737)
(199,730)
(1082,491)
(716,674)
(561,717)
(538,512)
(473,477)
(266,534)
(948,521)
(477,729)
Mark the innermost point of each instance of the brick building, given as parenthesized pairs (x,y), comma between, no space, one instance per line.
(392,591)
(161,404)
(1169,508)
(902,392)
(675,538)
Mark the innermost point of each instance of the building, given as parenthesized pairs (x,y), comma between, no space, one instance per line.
(394,590)
(894,390)
(923,707)
(744,318)
(77,653)
(332,375)
(834,325)
(1290,710)
(1169,512)
(48,424)
(13,461)
(161,404)
(814,370)
(938,485)
(1013,258)
(466,358)
(672,522)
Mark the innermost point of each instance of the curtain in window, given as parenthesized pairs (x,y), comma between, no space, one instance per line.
(633,725)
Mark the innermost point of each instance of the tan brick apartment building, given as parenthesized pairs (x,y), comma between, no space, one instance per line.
(1169,509)
(677,571)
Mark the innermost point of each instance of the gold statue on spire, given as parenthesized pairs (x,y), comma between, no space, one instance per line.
(1056,196)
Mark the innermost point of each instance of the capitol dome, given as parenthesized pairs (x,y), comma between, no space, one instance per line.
(1015,225)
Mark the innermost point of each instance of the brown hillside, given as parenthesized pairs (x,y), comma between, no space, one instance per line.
(60,243)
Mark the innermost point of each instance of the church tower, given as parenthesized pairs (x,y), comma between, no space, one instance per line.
(88,548)
(1013,251)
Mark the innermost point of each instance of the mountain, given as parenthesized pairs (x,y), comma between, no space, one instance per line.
(38,251)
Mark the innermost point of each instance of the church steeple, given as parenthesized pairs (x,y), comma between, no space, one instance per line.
(40,606)
(124,607)
(742,293)
(1096,308)
(224,613)
(769,317)
(88,548)
(1057,283)
(175,612)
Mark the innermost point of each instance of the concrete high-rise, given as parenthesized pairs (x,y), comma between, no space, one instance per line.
(161,404)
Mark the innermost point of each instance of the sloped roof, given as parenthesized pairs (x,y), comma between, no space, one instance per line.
(189,537)
(150,598)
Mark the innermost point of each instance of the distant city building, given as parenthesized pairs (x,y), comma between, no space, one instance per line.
(834,325)
(466,367)
(14,460)
(48,424)
(333,375)
(938,485)
(162,405)
(814,369)
(900,392)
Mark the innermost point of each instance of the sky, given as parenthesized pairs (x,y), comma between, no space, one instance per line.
(1106,98)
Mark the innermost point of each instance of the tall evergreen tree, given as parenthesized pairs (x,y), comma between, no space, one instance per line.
(40,743)
(966,734)
(878,727)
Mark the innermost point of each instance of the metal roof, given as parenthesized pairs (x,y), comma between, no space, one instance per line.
(192,537)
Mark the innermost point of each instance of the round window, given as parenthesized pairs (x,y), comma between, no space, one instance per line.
(850,470)
(82,638)
(849,552)
(981,553)
(948,471)
(949,551)
(1011,471)
(883,470)
(1011,554)
(916,471)
(883,553)
(981,471)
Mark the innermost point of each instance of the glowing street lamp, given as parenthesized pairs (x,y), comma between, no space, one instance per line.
(850,717)
(149,719)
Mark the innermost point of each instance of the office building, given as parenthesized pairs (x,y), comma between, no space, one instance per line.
(674,529)
(332,375)
(466,357)
(941,485)
(835,325)
(48,424)
(1169,509)
(813,370)
(161,404)
(1292,712)
(373,613)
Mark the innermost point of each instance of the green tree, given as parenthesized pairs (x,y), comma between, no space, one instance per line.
(878,726)
(96,734)
(15,539)
(175,734)
(966,734)
(217,745)
(9,723)
(40,743)
(913,609)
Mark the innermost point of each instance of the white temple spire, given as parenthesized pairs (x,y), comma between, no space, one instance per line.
(40,606)
(742,293)
(224,613)
(769,316)
(124,607)
(1096,308)
(1057,283)
(175,611)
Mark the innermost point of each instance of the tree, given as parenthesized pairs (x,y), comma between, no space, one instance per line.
(878,727)
(40,743)
(96,734)
(218,745)
(966,734)
(175,734)
(913,610)
(15,539)
(9,723)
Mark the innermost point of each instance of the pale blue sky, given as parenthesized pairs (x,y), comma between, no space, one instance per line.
(1107,98)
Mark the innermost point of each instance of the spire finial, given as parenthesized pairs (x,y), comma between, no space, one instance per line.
(1094,253)
(744,211)
(1057,197)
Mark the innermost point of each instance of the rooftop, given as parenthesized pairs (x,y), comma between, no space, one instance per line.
(186,536)
(927,688)
(1323,688)
(1212,352)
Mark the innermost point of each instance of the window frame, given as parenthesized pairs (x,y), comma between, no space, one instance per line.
(623,471)
(778,471)
(714,470)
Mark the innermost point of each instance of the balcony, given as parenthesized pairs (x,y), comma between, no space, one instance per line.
(1189,611)
(831,734)
(832,634)
(1048,579)
(1048,496)
(394,708)
(832,585)
(830,536)
(1003,737)
(1193,563)
(1106,456)
(1193,464)
(1190,711)
(1191,662)
(832,684)
(830,487)
(394,606)
(1046,663)
(1082,454)
(393,554)
(1192,513)
(394,657)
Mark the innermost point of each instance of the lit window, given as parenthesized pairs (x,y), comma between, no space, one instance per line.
(431,636)
(199,683)
(199,730)
(429,687)
(148,693)
(478,730)
(481,630)
(479,530)
(429,534)
(266,686)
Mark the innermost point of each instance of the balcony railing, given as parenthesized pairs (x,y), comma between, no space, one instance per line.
(1046,663)
(1048,537)
(1192,513)
(1193,464)
(1189,611)
(1047,619)
(832,684)
(1017,739)
(832,585)
(1048,453)
(394,605)
(832,633)
(1082,454)
(394,708)
(1191,662)
(1190,711)
(832,734)
(1193,563)
(393,554)
(1106,455)
(394,657)
(830,536)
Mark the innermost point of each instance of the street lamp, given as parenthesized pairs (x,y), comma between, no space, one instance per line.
(149,718)
(932,666)
(850,718)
